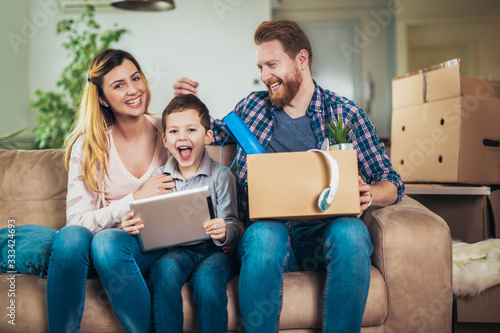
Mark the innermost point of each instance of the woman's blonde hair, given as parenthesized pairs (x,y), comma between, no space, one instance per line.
(94,120)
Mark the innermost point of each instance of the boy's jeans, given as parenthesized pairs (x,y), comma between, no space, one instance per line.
(341,247)
(208,269)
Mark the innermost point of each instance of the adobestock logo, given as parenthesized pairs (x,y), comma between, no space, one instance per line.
(197,206)
(30,26)
(372,28)
(156,76)
(223,6)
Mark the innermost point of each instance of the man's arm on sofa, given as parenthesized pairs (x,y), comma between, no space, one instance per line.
(412,250)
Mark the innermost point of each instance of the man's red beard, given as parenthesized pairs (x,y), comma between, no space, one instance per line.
(288,90)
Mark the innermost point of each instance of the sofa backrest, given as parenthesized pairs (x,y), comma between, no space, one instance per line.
(228,155)
(33,185)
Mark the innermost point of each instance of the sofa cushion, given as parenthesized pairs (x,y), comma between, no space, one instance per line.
(28,246)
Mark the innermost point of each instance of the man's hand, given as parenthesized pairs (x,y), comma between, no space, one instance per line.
(184,86)
(380,194)
(365,196)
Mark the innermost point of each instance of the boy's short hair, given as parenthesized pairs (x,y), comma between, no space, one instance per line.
(184,102)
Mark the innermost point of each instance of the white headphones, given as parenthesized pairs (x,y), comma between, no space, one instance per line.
(328,194)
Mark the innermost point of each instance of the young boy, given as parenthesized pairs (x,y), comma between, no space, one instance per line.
(186,126)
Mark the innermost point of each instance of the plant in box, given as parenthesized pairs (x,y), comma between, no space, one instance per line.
(340,134)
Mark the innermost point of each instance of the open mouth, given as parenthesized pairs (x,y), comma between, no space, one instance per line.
(184,152)
(275,86)
(134,102)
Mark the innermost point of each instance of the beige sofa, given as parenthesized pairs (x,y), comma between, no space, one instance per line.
(410,288)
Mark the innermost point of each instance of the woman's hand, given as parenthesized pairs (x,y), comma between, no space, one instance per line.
(216,229)
(132,225)
(184,86)
(365,196)
(159,184)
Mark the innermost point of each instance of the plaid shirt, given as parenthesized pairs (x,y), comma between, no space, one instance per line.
(258,112)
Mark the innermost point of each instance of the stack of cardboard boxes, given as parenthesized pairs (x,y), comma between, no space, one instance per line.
(446,140)
(445,127)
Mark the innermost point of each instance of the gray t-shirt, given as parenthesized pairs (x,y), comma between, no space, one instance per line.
(291,134)
(222,191)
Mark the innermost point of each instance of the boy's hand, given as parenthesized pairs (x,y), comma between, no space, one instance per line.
(131,225)
(159,184)
(216,229)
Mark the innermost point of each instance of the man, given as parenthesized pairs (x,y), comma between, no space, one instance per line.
(291,116)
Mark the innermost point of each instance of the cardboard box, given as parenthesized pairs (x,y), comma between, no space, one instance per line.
(484,308)
(464,208)
(494,202)
(286,186)
(445,127)
(473,215)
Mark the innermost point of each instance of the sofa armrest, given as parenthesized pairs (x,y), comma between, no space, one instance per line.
(412,250)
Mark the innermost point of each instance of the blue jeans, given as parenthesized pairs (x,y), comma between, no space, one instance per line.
(69,266)
(268,249)
(208,269)
(122,266)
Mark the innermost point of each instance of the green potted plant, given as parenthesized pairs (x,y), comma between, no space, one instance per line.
(56,110)
(340,134)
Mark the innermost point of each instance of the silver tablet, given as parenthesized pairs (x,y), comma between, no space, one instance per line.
(173,218)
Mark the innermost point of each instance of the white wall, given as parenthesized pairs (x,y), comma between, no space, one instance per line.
(430,43)
(445,29)
(373,42)
(14,94)
(209,41)
(218,50)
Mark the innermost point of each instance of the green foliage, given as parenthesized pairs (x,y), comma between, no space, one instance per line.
(340,132)
(56,110)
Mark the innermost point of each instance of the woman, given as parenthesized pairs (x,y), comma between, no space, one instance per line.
(114,148)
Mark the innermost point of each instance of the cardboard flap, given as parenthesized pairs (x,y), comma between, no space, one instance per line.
(443,83)
(407,91)
(433,83)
